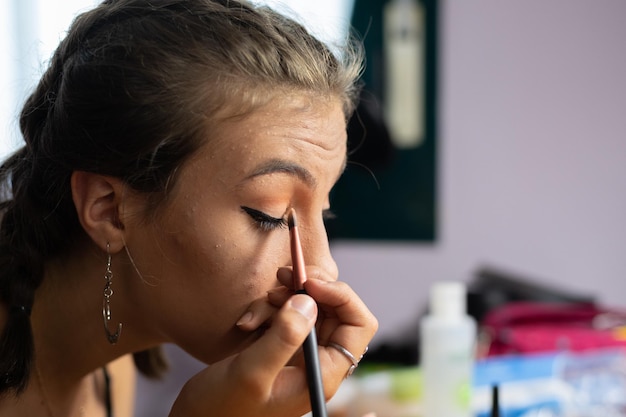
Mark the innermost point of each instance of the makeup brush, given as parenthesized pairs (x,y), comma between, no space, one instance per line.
(311,358)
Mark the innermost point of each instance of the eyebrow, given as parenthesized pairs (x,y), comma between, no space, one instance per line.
(285,167)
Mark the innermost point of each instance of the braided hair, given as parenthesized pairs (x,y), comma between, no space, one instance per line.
(132,91)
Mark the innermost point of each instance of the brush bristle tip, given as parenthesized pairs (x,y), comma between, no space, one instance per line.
(291,218)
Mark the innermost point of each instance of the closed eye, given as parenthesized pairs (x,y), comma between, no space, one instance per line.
(265,222)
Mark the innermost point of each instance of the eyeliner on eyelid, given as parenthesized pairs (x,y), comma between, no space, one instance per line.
(264,221)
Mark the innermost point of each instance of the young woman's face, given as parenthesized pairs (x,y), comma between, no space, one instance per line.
(217,244)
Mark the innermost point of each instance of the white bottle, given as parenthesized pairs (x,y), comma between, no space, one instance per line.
(447,352)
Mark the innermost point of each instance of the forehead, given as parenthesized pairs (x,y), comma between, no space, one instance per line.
(291,121)
(304,129)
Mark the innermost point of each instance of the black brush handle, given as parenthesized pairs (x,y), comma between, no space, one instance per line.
(314,373)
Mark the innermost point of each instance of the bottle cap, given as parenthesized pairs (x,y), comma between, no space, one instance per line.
(448,299)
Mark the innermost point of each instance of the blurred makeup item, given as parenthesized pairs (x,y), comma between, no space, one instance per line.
(495,401)
(311,358)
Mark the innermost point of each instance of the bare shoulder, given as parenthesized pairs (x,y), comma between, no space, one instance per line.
(123,378)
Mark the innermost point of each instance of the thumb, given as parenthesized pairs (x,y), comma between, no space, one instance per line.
(266,357)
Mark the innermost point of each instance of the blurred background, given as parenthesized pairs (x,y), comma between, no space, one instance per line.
(530,164)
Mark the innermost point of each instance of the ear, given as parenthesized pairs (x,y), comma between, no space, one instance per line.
(99,202)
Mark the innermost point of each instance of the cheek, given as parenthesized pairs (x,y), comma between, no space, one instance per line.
(216,263)
(257,280)
(232,272)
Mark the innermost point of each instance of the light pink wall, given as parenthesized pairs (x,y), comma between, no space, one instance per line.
(532,156)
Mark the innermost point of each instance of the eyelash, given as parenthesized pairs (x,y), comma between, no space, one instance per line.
(268,223)
(265,222)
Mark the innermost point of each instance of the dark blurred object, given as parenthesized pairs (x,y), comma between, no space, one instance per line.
(490,288)
(388,192)
(369,143)
(493,288)
(369,151)
(495,402)
(402,350)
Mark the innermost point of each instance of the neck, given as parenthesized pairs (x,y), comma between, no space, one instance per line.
(67,322)
(64,320)
(74,402)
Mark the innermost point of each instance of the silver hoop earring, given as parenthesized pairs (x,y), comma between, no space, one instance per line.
(106,303)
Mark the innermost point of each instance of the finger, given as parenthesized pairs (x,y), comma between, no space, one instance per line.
(343,319)
(347,321)
(279,296)
(261,363)
(338,299)
(259,313)
(285,275)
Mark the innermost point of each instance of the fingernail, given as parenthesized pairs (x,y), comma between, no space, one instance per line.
(246,318)
(304,305)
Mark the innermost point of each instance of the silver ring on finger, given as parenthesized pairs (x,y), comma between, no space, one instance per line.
(345,352)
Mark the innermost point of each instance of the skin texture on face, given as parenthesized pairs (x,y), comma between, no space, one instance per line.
(216,246)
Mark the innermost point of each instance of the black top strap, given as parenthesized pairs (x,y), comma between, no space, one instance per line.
(107,392)
(21,309)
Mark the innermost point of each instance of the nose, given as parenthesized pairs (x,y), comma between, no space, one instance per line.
(316,249)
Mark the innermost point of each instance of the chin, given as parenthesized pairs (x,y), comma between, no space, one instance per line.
(229,344)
